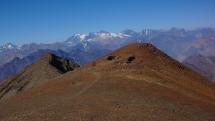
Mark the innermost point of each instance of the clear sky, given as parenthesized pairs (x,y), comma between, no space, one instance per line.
(25,21)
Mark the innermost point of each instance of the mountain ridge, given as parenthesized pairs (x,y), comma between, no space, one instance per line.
(177,43)
(36,74)
(18,64)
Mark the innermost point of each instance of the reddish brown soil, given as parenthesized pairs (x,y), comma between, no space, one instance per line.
(149,87)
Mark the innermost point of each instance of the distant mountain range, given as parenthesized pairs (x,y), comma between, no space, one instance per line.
(178,43)
(202,64)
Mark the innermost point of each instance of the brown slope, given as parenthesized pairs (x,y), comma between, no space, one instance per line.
(135,83)
(45,69)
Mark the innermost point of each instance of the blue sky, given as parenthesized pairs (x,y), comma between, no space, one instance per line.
(44,21)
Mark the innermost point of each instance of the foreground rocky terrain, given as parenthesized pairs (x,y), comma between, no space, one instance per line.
(137,82)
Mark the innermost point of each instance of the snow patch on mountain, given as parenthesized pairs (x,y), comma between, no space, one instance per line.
(101,36)
(80,36)
(108,35)
(8,46)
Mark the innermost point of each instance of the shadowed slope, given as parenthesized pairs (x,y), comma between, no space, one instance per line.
(134,83)
(46,68)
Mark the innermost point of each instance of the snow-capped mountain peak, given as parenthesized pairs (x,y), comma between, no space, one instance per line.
(97,36)
(7,46)
(101,37)
(80,36)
